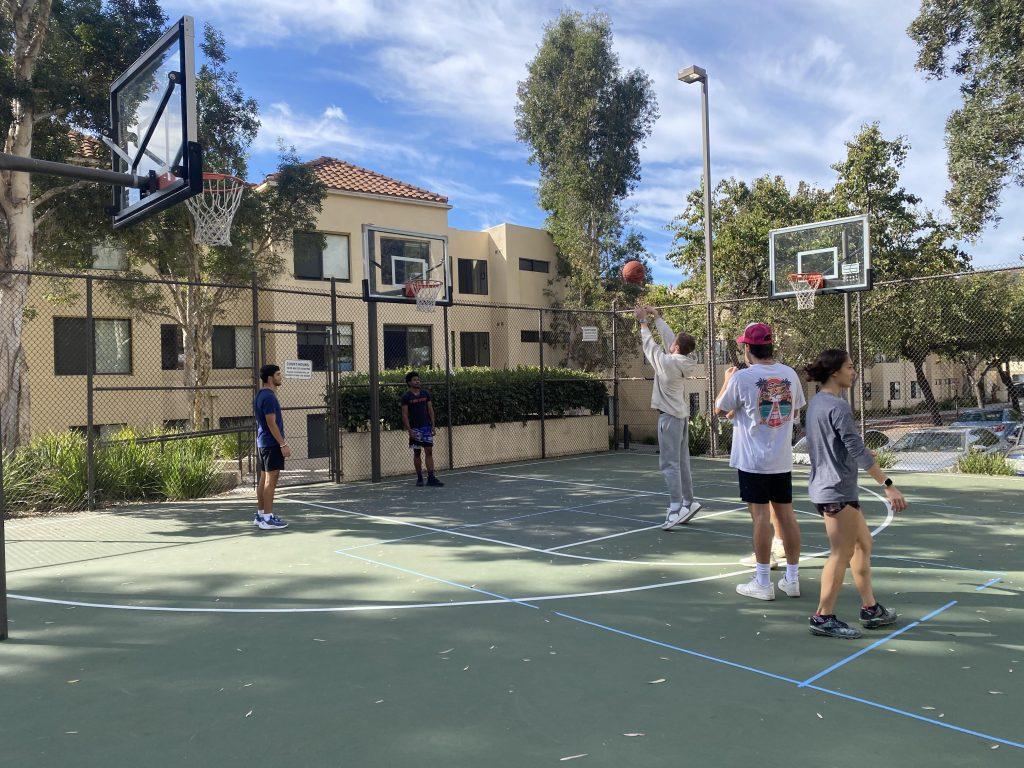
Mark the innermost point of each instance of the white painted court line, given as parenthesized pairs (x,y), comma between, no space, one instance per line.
(633,491)
(602,538)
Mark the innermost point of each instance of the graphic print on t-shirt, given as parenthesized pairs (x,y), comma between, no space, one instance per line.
(774,402)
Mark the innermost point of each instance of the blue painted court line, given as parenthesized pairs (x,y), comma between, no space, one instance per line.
(915,716)
(875,644)
(442,581)
(671,647)
(988,583)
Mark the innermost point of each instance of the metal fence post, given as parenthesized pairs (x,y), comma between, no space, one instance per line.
(448,351)
(712,423)
(3,546)
(257,361)
(860,366)
(334,426)
(615,379)
(848,323)
(90,367)
(543,407)
(374,383)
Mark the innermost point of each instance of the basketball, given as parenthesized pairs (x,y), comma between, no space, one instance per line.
(633,272)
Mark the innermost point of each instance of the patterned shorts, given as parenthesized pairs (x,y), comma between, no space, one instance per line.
(424,438)
(836,507)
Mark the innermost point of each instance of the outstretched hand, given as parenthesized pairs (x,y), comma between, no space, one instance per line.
(641,312)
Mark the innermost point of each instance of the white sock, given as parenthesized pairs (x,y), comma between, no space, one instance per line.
(673,507)
(792,572)
(763,574)
(265,515)
(259,512)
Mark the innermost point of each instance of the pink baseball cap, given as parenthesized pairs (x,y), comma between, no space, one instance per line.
(756,333)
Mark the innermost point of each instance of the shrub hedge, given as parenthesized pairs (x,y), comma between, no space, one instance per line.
(479,395)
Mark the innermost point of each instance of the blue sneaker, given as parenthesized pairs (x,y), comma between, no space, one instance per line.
(274,523)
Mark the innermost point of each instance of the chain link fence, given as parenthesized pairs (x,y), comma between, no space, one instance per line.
(169,369)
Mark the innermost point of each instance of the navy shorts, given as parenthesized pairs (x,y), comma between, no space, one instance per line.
(424,438)
(834,508)
(271,458)
(756,488)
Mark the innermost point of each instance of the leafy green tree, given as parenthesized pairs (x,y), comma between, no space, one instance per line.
(57,60)
(585,120)
(981,43)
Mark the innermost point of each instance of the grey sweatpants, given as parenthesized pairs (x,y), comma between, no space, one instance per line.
(674,445)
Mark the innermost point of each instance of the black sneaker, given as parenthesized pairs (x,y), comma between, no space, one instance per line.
(830,626)
(877,616)
(434,482)
(419,482)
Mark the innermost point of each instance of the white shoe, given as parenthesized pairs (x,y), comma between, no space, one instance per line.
(778,550)
(751,560)
(791,588)
(674,517)
(753,589)
(692,511)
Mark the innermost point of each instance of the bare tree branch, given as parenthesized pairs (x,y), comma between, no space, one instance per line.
(49,194)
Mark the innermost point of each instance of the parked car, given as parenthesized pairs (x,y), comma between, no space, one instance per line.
(873,439)
(999,418)
(940,448)
(1015,456)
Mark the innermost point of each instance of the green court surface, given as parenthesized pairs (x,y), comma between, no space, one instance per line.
(524,615)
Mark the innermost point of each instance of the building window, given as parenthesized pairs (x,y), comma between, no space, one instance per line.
(534,336)
(321,257)
(473,276)
(914,390)
(475,348)
(236,422)
(312,344)
(694,404)
(403,260)
(881,357)
(867,391)
(317,446)
(112,346)
(722,356)
(100,431)
(534,265)
(177,425)
(894,390)
(407,346)
(107,256)
(172,348)
(232,346)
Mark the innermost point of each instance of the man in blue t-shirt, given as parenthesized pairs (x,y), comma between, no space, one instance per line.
(418,420)
(273,450)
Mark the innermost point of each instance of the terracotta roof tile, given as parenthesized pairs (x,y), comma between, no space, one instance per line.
(88,147)
(337,174)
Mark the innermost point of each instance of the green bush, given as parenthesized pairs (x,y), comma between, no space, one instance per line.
(479,395)
(49,474)
(699,435)
(984,464)
(234,446)
(885,459)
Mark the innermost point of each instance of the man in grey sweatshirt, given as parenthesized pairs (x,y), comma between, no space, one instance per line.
(672,362)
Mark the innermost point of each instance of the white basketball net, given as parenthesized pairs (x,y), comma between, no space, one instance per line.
(214,209)
(426,292)
(805,291)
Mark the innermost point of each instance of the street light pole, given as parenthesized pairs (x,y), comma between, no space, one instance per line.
(690,75)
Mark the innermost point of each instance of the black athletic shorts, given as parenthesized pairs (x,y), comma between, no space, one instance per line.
(834,508)
(271,458)
(761,489)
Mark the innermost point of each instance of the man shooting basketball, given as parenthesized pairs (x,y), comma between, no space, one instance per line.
(672,363)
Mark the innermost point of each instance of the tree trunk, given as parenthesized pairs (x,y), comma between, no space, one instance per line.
(926,390)
(1007,380)
(15,421)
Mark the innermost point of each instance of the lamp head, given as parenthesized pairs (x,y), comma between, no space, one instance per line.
(692,74)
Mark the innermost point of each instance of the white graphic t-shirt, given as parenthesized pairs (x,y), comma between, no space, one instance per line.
(765,399)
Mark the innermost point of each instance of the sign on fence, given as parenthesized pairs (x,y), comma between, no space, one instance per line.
(589,332)
(301,370)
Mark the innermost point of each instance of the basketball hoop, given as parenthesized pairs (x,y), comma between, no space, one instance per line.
(214,209)
(426,293)
(805,286)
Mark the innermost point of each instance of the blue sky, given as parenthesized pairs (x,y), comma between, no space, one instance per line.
(425,92)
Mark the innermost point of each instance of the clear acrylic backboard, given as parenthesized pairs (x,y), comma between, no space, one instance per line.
(839,250)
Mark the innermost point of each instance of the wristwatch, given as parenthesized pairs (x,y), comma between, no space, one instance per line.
(888,482)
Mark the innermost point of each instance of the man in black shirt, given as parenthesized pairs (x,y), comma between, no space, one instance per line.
(418,420)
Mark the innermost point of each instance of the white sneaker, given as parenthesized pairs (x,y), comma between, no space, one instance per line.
(691,511)
(674,518)
(791,588)
(751,560)
(778,550)
(753,589)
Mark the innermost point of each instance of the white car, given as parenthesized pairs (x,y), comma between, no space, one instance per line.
(939,449)
(1015,456)
(873,438)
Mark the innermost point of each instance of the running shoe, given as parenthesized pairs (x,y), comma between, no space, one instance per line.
(419,482)
(778,550)
(791,588)
(674,517)
(830,626)
(877,616)
(434,482)
(690,512)
(272,523)
(751,560)
(755,590)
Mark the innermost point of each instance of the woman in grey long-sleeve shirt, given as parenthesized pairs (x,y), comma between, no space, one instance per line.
(836,452)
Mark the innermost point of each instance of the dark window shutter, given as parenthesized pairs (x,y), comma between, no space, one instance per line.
(465,276)
(309,262)
(69,346)
(223,346)
(317,446)
(170,347)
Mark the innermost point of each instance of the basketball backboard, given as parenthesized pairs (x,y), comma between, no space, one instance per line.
(153,127)
(393,257)
(839,250)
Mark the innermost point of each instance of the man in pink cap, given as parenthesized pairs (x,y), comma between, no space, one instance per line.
(763,400)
